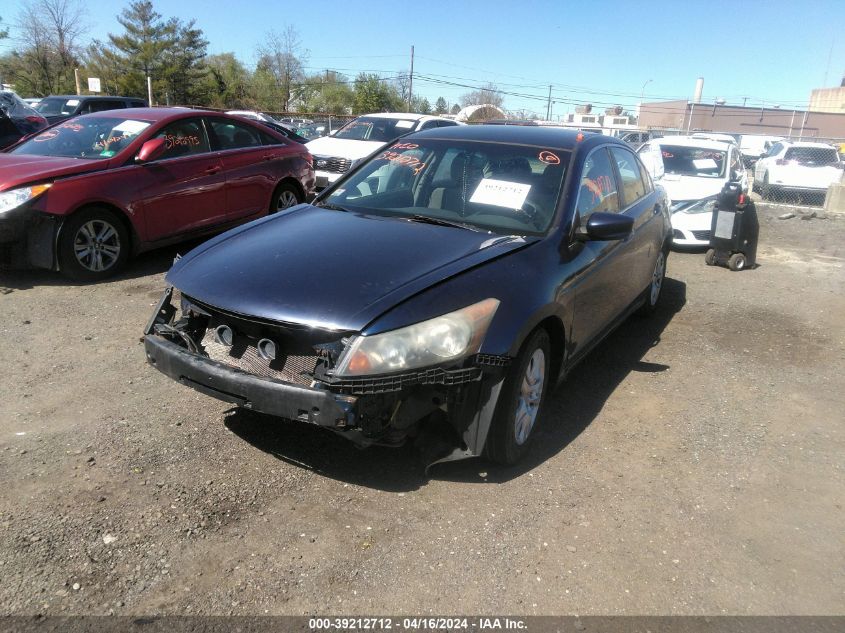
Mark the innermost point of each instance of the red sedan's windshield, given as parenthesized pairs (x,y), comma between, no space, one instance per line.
(85,137)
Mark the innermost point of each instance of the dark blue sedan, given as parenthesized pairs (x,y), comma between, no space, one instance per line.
(455,276)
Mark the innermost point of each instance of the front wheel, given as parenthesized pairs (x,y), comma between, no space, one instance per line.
(285,197)
(93,245)
(520,401)
(710,257)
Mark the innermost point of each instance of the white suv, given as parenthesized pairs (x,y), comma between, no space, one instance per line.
(801,166)
(336,154)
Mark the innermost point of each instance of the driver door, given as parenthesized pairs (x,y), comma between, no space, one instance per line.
(185,189)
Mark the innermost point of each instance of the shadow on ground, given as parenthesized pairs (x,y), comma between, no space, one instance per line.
(569,410)
(145,264)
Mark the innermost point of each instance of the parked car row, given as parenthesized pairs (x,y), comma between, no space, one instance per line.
(17,119)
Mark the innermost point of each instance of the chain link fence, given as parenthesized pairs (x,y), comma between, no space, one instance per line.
(798,172)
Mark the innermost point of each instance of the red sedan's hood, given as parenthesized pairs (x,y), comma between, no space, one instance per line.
(22,169)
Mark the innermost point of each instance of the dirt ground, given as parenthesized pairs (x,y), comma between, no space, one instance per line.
(693,464)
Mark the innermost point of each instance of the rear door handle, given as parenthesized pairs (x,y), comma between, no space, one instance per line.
(211,170)
(268,157)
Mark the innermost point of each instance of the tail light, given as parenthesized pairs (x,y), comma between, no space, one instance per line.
(36,119)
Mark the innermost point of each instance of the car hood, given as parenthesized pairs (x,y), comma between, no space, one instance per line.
(20,169)
(329,269)
(690,187)
(343,148)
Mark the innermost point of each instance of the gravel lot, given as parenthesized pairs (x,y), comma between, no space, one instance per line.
(693,464)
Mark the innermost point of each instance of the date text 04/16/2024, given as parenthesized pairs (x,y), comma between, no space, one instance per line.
(416,624)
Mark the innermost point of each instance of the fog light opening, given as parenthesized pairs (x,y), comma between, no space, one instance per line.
(223,335)
(267,349)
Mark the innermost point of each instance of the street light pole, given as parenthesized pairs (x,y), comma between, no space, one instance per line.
(642,93)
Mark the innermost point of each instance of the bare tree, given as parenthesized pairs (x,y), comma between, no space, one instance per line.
(488,94)
(282,57)
(48,32)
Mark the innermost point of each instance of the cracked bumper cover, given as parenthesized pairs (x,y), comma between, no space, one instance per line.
(295,402)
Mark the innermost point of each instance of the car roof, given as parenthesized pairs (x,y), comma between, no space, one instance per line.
(687,141)
(158,114)
(404,115)
(539,136)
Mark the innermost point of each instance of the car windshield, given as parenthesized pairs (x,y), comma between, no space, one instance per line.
(381,129)
(812,155)
(57,106)
(508,189)
(84,137)
(694,161)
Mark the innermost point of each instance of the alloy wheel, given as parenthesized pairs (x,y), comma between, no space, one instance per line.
(530,394)
(96,245)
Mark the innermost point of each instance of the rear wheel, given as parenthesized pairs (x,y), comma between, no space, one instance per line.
(520,401)
(285,197)
(93,245)
(710,257)
(737,262)
(655,288)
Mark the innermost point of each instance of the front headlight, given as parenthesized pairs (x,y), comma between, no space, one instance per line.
(438,340)
(16,197)
(705,205)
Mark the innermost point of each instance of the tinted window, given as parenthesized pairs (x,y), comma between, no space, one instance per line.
(598,185)
(812,155)
(183,138)
(649,186)
(99,106)
(234,135)
(631,180)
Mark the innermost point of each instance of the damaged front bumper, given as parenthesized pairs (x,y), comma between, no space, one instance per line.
(383,410)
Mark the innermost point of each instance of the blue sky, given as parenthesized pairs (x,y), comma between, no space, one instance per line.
(603,53)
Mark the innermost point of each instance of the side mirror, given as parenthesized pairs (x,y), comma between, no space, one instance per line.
(152,149)
(602,226)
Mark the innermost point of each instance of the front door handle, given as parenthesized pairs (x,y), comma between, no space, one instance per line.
(211,170)
(268,157)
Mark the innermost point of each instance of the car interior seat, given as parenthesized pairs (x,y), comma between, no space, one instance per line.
(465,174)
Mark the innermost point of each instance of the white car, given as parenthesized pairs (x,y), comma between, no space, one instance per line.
(255,116)
(801,167)
(336,154)
(693,171)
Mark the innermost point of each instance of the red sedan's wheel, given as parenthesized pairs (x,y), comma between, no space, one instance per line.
(93,245)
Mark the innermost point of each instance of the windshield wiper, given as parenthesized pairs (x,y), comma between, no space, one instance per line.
(424,219)
(333,207)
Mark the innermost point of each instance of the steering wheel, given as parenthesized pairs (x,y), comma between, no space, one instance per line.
(527,214)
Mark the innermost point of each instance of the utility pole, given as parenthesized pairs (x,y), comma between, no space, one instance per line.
(149,91)
(411,80)
(76,78)
(549,104)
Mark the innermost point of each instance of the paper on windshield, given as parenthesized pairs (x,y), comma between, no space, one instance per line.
(501,193)
(72,102)
(404,124)
(131,127)
(705,163)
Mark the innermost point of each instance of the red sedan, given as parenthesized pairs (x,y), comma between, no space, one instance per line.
(82,196)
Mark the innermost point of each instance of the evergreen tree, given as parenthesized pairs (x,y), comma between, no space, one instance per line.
(440,106)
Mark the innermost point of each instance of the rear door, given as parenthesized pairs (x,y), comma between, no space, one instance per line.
(184,190)
(639,201)
(253,162)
